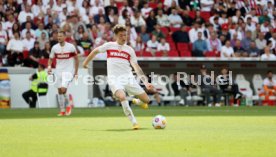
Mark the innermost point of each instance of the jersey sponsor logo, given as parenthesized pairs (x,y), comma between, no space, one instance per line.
(118,54)
(64,55)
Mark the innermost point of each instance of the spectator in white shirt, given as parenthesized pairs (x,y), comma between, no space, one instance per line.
(152,45)
(123,17)
(58,7)
(168,3)
(273,41)
(162,19)
(15,28)
(9,23)
(96,2)
(260,41)
(146,10)
(3,40)
(227,51)
(206,5)
(94,10)
(193,33)
(253,15)
(175,19)
(62,16)
(131,32)
(28,42)
(250,26)
(267,55)
(38,8)
(28,29)
(270,8)
(164,47)
(22,17)
(126,7)
(235,19)
(265,27)
(15,47)
(137,21)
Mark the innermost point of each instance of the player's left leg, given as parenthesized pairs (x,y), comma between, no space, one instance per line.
(68,107)
(61,101)
(67,78)
(121,96)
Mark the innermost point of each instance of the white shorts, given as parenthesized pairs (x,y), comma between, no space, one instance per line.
(63,79)
(131,87)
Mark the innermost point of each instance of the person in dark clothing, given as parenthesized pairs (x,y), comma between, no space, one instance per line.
(198,18)
(239,51)
(112,6)
(228,87)
(34,56)
(46,52)
(181,89)
(181,35)
(184,4)
(54,38)
(187,20)
(151,22)
(224,33)
(30,21)
(232,10)
(85,42)
(159,7)
(208,89)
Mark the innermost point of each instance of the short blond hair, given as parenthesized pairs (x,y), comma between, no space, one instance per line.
(119,28)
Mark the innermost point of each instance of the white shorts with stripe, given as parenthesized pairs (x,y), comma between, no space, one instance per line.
(130,86)
(63,79)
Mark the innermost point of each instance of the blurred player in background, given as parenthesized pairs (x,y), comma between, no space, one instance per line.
(66,69)
(120,58)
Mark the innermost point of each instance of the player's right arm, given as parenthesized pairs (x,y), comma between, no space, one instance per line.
(91,56)
(93,53)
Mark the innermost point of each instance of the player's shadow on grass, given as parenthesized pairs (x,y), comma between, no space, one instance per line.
(123,130)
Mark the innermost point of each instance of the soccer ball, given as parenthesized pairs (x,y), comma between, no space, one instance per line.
(159,122)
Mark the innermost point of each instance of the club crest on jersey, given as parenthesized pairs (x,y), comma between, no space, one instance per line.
(117,54)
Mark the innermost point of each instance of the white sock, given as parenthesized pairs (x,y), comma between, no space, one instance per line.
(61,101)
(66,100)
(139,102)
(128,112)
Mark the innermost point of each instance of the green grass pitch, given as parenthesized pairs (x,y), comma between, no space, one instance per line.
(106,132)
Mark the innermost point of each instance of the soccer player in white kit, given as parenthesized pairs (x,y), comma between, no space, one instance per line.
(66,70)
(120,58)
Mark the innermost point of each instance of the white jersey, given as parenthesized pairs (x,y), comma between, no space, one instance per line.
(118,59)
(64,56)
(270,84)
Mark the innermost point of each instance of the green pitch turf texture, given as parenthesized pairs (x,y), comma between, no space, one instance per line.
(106,132)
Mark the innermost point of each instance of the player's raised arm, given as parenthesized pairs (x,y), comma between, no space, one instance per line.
(92,55)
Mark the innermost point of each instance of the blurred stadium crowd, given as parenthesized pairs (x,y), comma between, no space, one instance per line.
(200,28)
